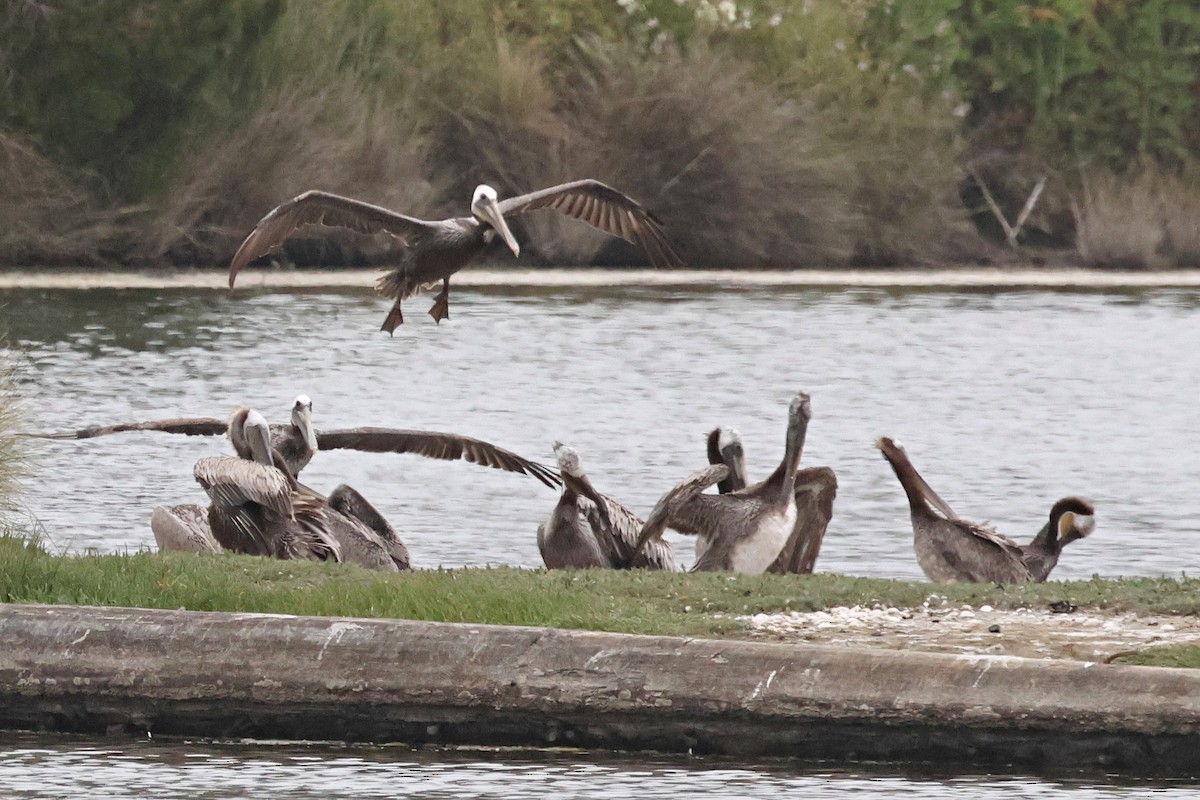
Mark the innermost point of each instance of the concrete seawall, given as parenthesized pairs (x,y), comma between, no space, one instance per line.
(87,669)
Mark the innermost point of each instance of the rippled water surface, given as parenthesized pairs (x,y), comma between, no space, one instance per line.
(34,768)
(1004,401)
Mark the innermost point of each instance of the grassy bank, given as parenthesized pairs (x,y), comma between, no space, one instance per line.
(630,602)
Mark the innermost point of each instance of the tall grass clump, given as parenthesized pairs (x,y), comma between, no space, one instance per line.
(48,216)
(1146,220)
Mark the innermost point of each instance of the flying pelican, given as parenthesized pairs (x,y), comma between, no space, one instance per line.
(438,249)
(589,529)
(297,442)
(258,508)
(746,530)
(816,489)
(950,548)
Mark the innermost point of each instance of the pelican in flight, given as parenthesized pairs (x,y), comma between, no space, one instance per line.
(435,250)
(297,442)
(746,530)
(816,489)
(950,548)
(590,529)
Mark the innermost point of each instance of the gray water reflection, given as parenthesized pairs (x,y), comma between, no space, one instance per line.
(1005,401)
(36,768)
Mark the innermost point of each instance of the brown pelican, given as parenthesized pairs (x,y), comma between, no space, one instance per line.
(1071,519)
(589,529)
(258,508)
(950,548)
(745,530)
(816,489)
(438,249)
(366,538)
(297,442)
(363,535)
(183,528)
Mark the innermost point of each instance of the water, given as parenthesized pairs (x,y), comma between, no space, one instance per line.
(1005,402)
(37,768)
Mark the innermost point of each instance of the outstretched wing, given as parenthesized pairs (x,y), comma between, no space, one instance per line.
(602,207)
(192,426)
(320,208)
(669,505)
(431,444)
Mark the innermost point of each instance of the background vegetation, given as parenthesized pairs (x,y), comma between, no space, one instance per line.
(764,132)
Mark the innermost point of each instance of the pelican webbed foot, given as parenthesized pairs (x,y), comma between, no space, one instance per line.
(394,320)
(441,304)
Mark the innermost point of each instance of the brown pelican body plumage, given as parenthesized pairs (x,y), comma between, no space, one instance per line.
(590,529)
(950,548)
(435,250)
(366,538)
(745,530)
(295,443)
(816,489)
(183,528)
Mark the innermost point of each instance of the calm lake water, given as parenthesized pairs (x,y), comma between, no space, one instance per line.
(1005,401)
(34,768)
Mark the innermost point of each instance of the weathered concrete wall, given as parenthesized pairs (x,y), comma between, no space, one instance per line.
(67,668)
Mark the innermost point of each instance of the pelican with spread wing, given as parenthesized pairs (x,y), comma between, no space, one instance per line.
(435,250)
(296,442)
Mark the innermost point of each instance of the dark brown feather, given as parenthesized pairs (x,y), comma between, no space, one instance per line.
(189,426)
(320,208)
(431,444)
(602,207)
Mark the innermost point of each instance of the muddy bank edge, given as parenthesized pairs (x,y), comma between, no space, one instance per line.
(122,670)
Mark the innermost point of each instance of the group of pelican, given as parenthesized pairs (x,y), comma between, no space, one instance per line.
(258,506)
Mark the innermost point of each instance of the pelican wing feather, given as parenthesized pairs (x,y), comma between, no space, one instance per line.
(232,482)
(604,208)
(321,208)
(188,426)
(431,444)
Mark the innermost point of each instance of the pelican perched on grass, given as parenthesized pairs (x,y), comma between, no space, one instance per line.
(746,530)
(435,250)
(297,442)
(257,507)
(590,529)
(816,489)
(950,548)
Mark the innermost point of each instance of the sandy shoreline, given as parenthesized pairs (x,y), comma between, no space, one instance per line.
(586,277)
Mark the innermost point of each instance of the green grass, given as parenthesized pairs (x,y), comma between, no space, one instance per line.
(1183,655)
(632,602)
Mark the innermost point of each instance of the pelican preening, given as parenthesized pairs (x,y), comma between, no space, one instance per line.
(435,250)
(950,548)
(297,442)
(257,507)
(745,530)
(816,489)
(590,529)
